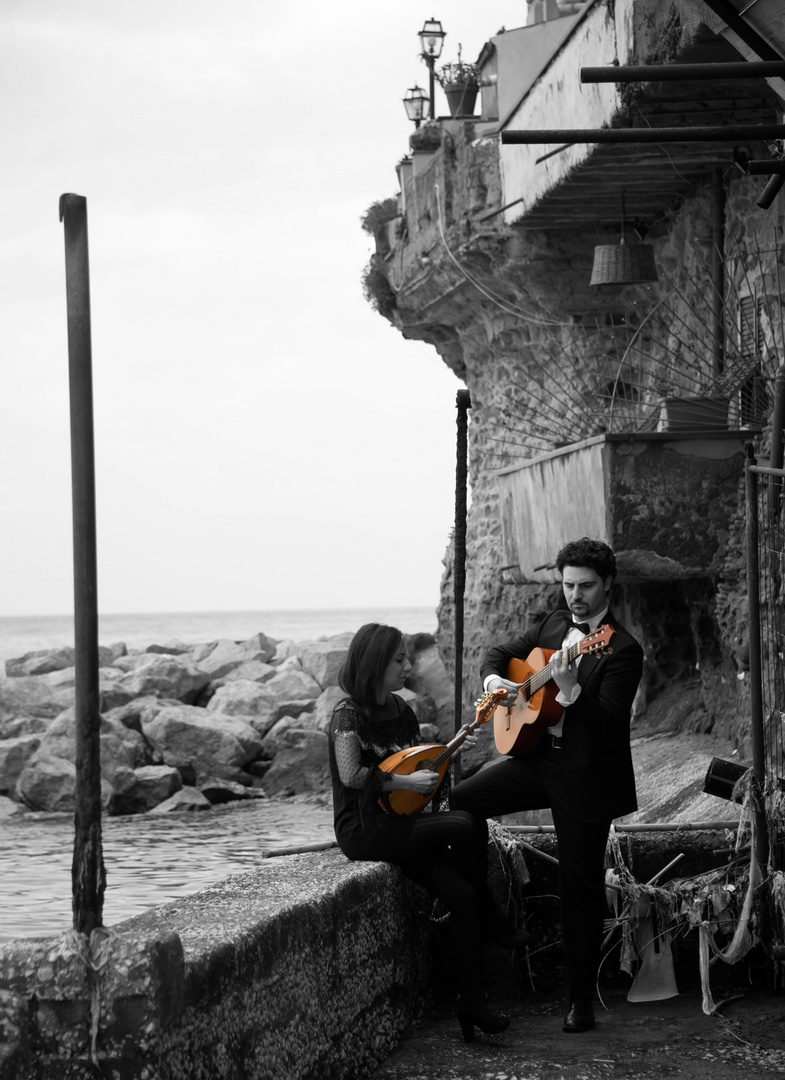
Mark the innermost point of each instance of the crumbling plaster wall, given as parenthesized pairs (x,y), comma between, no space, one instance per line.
(533,293)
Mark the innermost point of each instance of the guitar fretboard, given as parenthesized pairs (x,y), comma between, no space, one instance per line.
(544,675)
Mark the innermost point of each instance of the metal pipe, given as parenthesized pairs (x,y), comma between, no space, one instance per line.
(88,875)
(770,192)
(772,167)
(718,273)
(756,667)
(463,403)
(663,826)
(738,133)
(777,441)
(743,69)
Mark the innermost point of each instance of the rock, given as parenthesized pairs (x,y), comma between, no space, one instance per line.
(47,660)
(289,731)
(47,783)
(130,661)
(27,696)
(23,725)
(325,704)
(429,678)
(218,791)
(137,790)
(120,746)
(248,699)
(232,773)
(254,670)
(300,767)
(172,648)
(322,660)
(186,798)
(220,657)
(9,808)
(159,676)
(185,733)
(131,713)
(294,689)
(424,707)
(14,755)
(263,644)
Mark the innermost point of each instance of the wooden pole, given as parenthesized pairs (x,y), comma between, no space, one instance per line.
(463,404)
(88,875)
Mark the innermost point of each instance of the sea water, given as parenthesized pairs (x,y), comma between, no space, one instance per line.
(20,634)
(152,859)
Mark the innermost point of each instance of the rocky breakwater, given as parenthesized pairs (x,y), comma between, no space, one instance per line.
(185,727)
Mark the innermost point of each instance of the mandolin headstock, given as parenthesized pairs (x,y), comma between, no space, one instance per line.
(486,705)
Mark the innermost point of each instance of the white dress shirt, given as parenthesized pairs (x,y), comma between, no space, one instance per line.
(572,636)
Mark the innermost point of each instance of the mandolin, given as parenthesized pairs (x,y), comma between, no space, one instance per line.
(431,758)
(517,725)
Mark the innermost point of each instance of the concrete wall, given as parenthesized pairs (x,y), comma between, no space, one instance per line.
(308,967)
(636,492)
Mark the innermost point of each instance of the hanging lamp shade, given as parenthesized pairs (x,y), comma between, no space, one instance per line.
(623,264)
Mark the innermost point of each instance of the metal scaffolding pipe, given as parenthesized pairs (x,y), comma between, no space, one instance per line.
(718,273)
(772,167)
(568,136)
(743,69)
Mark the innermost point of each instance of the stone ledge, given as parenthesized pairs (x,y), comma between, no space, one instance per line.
(310,966)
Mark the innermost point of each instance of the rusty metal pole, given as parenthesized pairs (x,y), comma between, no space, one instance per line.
(463,403)
(756,666)
(88,875)
(718,273)
(570,136)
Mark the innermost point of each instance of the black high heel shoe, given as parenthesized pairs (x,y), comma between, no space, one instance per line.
(477,1013)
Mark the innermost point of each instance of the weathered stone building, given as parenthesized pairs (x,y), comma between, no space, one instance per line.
(623,409)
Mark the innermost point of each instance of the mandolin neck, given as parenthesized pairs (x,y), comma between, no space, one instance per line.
(452,746)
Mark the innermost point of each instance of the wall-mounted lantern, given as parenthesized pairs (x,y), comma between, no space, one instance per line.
(417,105)
(431,41)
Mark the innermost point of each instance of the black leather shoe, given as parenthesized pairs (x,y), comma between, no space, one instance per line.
(580,1016)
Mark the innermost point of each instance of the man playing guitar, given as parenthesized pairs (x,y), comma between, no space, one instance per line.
(580,765)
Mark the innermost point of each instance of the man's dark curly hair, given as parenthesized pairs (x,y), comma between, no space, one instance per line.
(586,552)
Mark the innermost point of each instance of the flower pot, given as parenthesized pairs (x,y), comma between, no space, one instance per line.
(708,413)
(461,98)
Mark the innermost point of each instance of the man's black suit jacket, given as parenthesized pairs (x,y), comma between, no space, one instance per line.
(596,731)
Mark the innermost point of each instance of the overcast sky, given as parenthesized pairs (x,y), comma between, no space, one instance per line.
(264,439)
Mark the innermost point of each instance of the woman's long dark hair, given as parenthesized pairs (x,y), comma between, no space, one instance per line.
(371,650)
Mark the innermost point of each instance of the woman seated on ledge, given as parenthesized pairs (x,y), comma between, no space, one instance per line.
(444,851)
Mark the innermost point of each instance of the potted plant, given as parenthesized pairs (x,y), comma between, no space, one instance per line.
(460,82)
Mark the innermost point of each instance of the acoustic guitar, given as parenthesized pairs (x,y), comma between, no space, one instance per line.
(517,725)
(431,758)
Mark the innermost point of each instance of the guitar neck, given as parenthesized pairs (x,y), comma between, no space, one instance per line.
(543,676)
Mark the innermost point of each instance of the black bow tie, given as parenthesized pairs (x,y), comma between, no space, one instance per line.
(582,626)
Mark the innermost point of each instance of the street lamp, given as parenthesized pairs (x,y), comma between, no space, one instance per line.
(431,40)
(416,104)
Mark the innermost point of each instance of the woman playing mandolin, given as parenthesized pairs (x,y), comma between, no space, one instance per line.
(444,851)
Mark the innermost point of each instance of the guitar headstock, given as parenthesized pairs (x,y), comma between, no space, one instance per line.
(598,640)
(486,705)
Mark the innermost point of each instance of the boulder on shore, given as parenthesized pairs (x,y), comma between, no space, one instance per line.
(223,717)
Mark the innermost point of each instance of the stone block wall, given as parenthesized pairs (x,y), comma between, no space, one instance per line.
(308,967)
